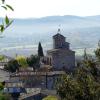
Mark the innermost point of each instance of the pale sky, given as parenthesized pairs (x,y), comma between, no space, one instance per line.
(42,8)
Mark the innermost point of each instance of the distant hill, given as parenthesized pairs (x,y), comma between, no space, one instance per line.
(81,32)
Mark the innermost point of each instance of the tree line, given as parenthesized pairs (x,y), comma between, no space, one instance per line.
(20,61)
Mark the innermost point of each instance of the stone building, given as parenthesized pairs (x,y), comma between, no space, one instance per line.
(61,56)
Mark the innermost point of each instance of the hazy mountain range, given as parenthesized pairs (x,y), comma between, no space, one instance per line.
(23,35)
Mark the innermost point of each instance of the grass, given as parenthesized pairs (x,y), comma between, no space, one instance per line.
(50,98)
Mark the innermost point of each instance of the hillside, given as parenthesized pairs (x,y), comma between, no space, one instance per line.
(24,34)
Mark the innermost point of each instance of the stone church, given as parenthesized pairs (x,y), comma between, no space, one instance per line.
(61,56)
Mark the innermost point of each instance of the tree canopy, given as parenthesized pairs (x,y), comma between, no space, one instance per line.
(33,61)
(40,50)
(22,61)
(12,66)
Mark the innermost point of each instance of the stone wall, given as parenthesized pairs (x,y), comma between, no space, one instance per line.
(63,59)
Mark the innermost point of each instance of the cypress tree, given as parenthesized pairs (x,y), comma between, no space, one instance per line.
(40,50)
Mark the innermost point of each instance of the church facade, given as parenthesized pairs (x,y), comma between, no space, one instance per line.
(61,56)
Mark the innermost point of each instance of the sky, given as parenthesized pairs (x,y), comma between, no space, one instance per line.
(42,8)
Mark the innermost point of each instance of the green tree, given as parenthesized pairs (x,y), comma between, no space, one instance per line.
(12,66)
(40,50)
(81,87)
(91,65)
(33,61)
(22,61)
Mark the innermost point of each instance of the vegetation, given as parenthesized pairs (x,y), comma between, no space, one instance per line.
(12,66)
(33,61)
(40,50)
(5,97)
(22,61)
(1,86)
(2,57)
(97,53)
(6,22)
(50,98)
(83,83)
